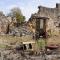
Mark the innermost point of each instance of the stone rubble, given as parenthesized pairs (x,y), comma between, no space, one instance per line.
(17,55)
(20,31)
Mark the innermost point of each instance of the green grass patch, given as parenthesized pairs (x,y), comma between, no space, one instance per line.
(2,46)
(41,43)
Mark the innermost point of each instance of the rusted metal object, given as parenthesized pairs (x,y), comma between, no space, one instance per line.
(52,47)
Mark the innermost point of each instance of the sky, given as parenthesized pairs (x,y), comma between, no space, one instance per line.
(27,7)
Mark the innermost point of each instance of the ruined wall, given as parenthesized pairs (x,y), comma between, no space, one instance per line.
(51,13)
(53,22)
(32,24)
(5,23)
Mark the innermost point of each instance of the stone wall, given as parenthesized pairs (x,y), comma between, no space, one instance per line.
(6,23)
(54,18)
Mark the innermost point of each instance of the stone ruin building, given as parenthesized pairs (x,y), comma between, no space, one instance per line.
(46,22)
(8,26)
(6,23)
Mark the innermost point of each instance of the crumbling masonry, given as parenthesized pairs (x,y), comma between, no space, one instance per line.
(46,21)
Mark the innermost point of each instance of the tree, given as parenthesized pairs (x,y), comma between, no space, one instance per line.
(16,12)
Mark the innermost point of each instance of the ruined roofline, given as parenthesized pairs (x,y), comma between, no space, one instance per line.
(34,16)
(46,9)
(49,10)
(57,6)
(39,7)
(38,17)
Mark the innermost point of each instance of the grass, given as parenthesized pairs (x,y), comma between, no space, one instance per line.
(41,43)
(7,40)
(2,46)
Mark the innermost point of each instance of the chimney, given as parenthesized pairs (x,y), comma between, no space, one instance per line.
(58,5)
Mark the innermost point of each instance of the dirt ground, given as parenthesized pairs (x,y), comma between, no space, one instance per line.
(10,54)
